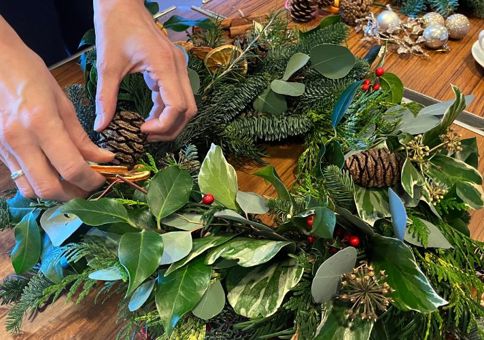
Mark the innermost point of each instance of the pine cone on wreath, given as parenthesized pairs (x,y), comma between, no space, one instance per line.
(375,168)
(302,10)
(123,137)
(350,10)
(324,3)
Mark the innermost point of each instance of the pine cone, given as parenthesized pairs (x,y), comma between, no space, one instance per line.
(324,3)
(85,108)
(350,10)
(124,138)
(302,10)
(375,168)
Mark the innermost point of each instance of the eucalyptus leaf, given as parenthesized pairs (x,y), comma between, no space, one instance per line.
(259,291)
(332,61)
(287,88)
(194,80)
(140,254)
(435,237)
(141,295)
(417,124)
(180,292)
(413,290)
(324,222)
(107,274)
(252,203)
(296,62)
(176,245)
(471,194)
(219,178)
(169,191)
(27,250)
(212,303)
(343,103)
(185,221)
(99,212)
(391,83)
(59,226)
(372,204)
(327,277)
(399,214)
(247,251)
(439,109)
(411,178)
(270,102)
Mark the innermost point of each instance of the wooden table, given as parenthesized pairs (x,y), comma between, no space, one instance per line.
(88,321)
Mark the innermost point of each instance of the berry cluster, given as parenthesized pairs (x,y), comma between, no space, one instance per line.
(367,86)
(346,238)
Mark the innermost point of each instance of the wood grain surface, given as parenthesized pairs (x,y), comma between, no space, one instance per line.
(88,321)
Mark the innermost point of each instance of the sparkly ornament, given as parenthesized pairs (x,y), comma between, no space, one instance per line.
(435,36)
(458,26)
(433,18)
(388,20)
(208,199)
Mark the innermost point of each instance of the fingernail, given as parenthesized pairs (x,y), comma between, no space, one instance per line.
(98,122)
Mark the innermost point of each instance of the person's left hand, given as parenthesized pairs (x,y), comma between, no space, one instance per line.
(129,41)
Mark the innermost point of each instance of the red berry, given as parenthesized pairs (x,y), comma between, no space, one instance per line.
(354,241)
(376,87)
(365,87)
(332,250)
(310,221)
(367,81)
(311,239)
(208,199)
(379,71)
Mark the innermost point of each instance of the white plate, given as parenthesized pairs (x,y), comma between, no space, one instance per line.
(478,53)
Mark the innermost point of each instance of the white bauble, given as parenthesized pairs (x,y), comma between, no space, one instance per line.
(433,18)
(436,36)
(387,20)
(458,26)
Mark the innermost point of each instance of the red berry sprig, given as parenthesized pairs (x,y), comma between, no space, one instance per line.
(354,241)
(365,87)
(376,86)
(208,199)
(310,221)
(379,71)
(311,239)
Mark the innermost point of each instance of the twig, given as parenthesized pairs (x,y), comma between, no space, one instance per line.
(132,184)
(107,190)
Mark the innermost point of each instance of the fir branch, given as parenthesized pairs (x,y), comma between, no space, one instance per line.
(11,288)
(4,214)
(443,7)
(339,186)
(333,34)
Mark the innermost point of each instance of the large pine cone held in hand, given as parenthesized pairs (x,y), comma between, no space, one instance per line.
(375,168)
(124,138)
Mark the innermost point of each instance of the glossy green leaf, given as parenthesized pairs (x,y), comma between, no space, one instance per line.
(411,178)
(399,214)
(252,203)
(469,152)
(344,102)
(247,251)
(58,226)
(27,250)
(296,62)
(287,88)
(471,194)
(259,292)
(194,80)
(98,212)
(334,154)
(152,7)
(372,204)
(324,222)
(142,218)
(327,277)
(180,292)
(412,288)
(185,221)
(18,207)
(391,83)
(140,254)
(169,191)
(179,24)
(435,237)
(141,295)
(329,20)
(270,102)
(200,245)
(332,61)
(107,274)
(218,178)
(453,170)
(176,245)
(270,175)
(335,326)
(212,303)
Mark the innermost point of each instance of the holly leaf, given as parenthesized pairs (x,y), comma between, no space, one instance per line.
(212,303)
(141,295)
(252,203)
(270,102)
(28,244)
(287,88)
(296,62)
(325,282)
(168,192)
(391,83)
(58,226)
(399,214)
(413,290)
(324,222)
(176,245)
(140,254)
(332,61)
(180,292)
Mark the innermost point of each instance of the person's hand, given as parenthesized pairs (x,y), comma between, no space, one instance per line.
(39,130)
(128,41)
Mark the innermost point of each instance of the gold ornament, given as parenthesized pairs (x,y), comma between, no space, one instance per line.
(433,18)
(435,36)
(458,26)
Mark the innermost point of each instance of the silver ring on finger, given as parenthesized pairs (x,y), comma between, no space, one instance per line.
(17,174)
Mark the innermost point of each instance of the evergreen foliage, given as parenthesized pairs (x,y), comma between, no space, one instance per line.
(339,187)
(11,289)
(416,7)
(475,6)
(4,215)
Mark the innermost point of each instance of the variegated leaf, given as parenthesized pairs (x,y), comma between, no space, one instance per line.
(372,204)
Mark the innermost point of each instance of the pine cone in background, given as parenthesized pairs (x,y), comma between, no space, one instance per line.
(375,168)
(85,108)
(124,138)
(350,10)
(302,10)
(324,3)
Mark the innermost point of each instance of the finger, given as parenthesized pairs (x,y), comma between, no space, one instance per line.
(86,147)
(106,96)
(21,182)
(158,106)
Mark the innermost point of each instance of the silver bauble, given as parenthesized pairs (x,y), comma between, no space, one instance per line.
(435,36)
(388,20)
(433,18)
(458,26)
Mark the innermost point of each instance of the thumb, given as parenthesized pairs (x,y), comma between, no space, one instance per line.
(106,98)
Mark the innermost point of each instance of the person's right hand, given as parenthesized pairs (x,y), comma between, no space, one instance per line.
(39,131)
